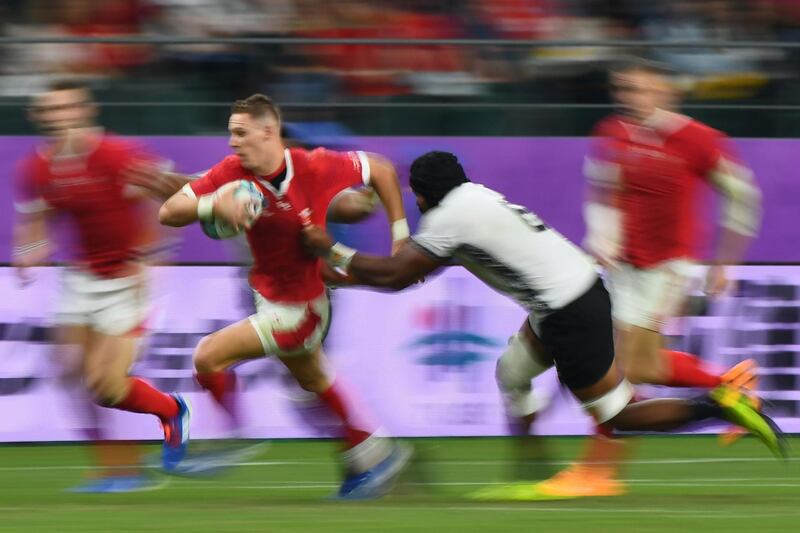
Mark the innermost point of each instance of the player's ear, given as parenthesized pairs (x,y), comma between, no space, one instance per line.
(270,130)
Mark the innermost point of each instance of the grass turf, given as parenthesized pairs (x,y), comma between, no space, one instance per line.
(676,483)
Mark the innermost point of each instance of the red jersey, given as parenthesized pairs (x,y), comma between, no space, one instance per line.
(655,170)
(89,189)
(282,270)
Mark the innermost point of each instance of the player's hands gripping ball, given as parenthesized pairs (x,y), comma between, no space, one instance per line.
(237,205)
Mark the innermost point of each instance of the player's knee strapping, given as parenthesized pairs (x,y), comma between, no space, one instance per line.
(611,403)
(516,368)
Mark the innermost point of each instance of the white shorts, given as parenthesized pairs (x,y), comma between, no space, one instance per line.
(113,306)
(291,328)
(648,297)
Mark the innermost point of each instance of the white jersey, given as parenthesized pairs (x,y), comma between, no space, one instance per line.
(507,247)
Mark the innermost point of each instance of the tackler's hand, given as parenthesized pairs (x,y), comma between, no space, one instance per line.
(316,240)
(334,278)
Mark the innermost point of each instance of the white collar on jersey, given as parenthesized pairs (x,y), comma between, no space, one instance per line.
(285,183)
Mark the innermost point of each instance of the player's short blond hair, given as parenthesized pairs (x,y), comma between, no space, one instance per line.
(257,106)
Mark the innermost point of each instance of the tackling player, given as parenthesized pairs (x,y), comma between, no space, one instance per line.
(569,324)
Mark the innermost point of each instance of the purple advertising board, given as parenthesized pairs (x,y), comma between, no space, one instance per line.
(422,361)
(385,345)
(543,174)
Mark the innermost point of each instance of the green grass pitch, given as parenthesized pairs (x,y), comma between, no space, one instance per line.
(677,483)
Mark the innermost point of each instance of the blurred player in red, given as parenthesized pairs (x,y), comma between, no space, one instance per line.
(647,168)
(84,176)
(293,309)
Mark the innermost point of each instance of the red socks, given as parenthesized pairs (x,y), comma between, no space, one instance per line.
(336,400)
(222,386)
(686,370)
(144,398)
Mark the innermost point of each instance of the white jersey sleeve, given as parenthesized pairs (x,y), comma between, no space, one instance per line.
(438,234)
(506,246)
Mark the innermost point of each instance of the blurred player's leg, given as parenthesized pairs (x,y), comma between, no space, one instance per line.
(107,362)
(117,463)
(522,361)
(373,462)
(644,300)
(217,353)
(579,338)
(609,401)
(241,341)
(645,361)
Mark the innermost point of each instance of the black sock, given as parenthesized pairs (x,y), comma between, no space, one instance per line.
(704,407)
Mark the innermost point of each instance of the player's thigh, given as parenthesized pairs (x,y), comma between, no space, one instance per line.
(73,335)
(649,297)
(534,345)
(72,343)
(639,353)
(107,362)
(287,329)
(226,347)
(579,337)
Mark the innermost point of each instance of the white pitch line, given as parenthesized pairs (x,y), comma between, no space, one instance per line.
(650,511)
(295,485)
(706,460)
(689,483)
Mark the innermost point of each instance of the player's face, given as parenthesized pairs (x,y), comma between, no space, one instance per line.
(248,137)
(422,205)
(640,93)
(57,112)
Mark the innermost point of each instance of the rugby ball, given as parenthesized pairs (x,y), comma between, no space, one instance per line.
(247,193)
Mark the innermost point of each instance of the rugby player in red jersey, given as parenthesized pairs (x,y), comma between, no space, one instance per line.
(293,309)
(84,176)
(647,171)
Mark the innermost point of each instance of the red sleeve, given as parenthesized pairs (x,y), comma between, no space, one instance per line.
(220,174)
(120,154)
(27,193)
(712,146)
(601,166)
(336,171)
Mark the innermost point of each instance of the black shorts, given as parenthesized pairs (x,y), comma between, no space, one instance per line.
(580,338)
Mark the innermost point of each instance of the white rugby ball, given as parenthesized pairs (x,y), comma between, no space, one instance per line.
(246,192)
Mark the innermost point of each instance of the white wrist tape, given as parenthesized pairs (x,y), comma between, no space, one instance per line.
(400,230)
(205,207)
(741,208)
(30,247)
(340,256)
(603,229)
